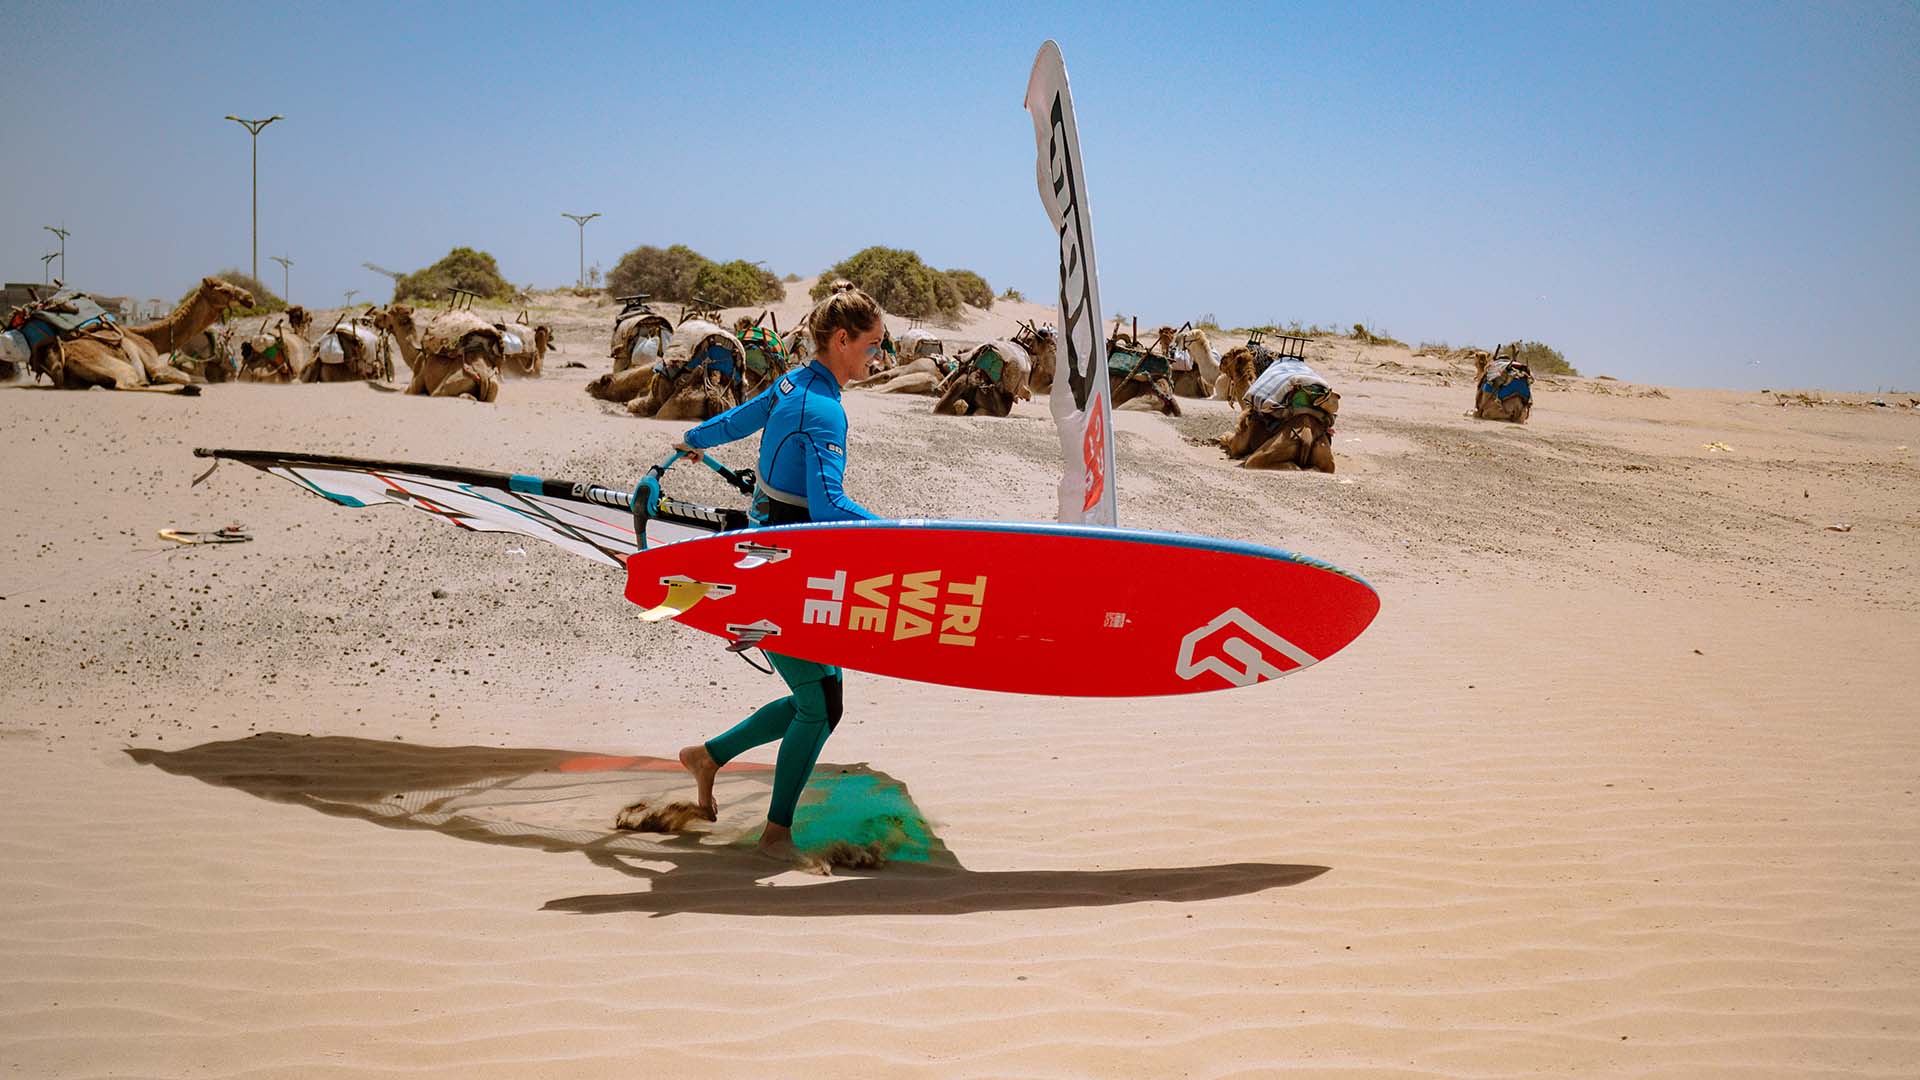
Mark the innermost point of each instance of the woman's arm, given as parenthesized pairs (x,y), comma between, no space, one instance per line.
(736,423)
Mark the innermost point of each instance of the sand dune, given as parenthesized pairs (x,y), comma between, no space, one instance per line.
(1620,783)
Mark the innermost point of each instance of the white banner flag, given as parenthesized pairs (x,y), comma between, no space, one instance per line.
(1082,399)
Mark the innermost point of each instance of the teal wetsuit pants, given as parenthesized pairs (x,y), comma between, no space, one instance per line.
(801,721)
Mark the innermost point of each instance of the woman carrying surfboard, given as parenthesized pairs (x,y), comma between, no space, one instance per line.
(802,462)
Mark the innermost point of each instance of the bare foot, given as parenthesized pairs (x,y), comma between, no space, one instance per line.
(697,761)
(776,843)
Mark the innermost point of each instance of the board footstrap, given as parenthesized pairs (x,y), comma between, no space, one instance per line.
(682,594)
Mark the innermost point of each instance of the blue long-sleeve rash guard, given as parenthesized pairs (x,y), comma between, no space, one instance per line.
(803,453)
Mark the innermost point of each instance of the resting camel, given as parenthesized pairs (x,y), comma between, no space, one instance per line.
(1202,370)
(1301,441)
(1135,371)
(764,355)
(699,377)
(1503,386)
(1287,422)
(622,386)
(523,348)
(1244,363)
(640,335)
(1237,372)
(348,352)
(209,355)
(921,375)
(1041,344)
(987,380)
(280,353)
(458,355)
(129,357)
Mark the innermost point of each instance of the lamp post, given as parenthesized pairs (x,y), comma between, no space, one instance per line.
(286,264)
(351,293)
(45,262)
(62,233)
(580,220)
(254,127)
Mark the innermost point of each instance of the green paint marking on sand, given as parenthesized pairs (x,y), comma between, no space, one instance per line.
(861,809)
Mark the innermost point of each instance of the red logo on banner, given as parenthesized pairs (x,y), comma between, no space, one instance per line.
(1094,449)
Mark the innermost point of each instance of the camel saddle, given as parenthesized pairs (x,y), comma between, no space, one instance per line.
(62,315)
(1508,378)
(1289,386)
(1146,363)
(764,353)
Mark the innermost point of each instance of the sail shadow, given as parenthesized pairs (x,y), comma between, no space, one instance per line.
(564,801)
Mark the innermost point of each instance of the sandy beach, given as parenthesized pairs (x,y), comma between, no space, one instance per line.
(1622,781)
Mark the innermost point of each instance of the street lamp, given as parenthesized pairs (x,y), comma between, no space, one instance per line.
(253,126)
(581,221)
(46,261)
(351,293)
(62,234)
(286,264)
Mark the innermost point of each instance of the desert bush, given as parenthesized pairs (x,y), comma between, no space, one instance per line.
(664,273)
(264,299)
(463,268)
(1361,333)
(1014,295)
(973,288)
(737,284)
(896,278)
(1543,359)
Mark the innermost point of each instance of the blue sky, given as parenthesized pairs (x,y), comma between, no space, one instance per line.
(1708,195)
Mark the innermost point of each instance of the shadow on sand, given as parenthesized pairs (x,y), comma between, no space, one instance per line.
(564,801)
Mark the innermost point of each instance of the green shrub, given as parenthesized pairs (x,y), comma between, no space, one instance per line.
(264,300)
(463,268)
(736,284)
(896,278)
(1014,295)
(663,273)
(1543,359)
(973,288)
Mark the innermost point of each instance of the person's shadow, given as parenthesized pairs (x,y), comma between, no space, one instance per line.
(563,801)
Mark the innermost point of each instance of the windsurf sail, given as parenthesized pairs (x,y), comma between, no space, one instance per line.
(1081,402)
(591,520)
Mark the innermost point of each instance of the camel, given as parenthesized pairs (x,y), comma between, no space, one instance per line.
(699,377)
(209,355)
(1302,441)
(917,343)
(524,347)
(765,356)
(987,380)
(640,334)
(1288,420)
(1041,344)
(352,351)
(457,356)
(622,386)
(1195,369)
(921,375)
(1236,375)
(278,353)
(1503,386)
(1244,363)
(104,353)
(1135,371)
